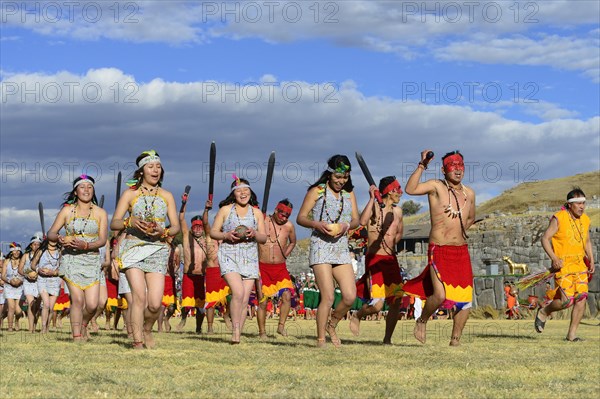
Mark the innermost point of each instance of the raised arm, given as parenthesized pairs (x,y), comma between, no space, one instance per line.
(368,210)
(414,185)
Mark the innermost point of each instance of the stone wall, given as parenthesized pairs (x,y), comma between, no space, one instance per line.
(489,240)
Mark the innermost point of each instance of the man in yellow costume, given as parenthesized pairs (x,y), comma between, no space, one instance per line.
(567,243)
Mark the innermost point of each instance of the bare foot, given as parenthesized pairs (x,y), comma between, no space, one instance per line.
(228,323)
(455,341)
(94,326)
(262,336)
(210,330)
(420,331)
(149,340)
(321,343)
(167,326)
(281,330)
(85,335)
(235,336)
(355,326)
(180,326)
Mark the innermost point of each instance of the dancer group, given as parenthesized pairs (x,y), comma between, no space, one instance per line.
(245,249)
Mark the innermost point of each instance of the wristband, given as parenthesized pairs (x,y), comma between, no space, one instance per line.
(423,165)
(165,233)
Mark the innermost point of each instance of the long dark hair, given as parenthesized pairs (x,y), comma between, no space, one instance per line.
(231,197)
(335,162)
(138,174)
(71,197)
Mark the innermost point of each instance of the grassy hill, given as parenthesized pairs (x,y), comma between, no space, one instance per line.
(550,193)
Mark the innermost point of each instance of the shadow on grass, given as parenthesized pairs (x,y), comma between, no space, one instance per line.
(511,336)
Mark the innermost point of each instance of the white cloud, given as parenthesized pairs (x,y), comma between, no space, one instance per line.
(410,29)
(568,53)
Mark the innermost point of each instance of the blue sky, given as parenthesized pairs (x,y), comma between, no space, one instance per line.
(517,93)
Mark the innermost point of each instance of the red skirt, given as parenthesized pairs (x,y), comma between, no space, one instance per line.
(382,279)
(216,288)
(452,265)
(168,293)
(192,291)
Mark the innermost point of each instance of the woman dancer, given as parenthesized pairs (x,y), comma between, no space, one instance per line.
(45,263)
(85,225)
(144,253)
(239,227)
(13,285)
(30,288)
(329,208)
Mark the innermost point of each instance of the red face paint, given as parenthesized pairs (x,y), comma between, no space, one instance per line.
(283,210)
(454,162)
(391,187)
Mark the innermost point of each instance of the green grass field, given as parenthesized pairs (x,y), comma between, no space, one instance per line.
(497,359)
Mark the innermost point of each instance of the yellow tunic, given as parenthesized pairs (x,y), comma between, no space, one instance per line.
(568,244)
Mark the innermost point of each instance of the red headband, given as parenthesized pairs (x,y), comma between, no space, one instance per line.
(284,208)
(453,162)
(393,185)
(197,222)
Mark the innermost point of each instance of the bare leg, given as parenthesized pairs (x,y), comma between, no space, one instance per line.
(576,316)
(261,318)
(30,312)
(199,320)
(458,324)
(431,305)
(364,311)
(324,279)
(156,285)
(391,321)
(181,324)
(210,318)
(286,304)
(137,282)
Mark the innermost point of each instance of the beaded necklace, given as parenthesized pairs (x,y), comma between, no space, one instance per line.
(276,237)
(575,228)
(149,207)
(87,219)
(51,258)
(450,209)
(324,207)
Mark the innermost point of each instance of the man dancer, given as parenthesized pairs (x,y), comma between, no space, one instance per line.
(195,252)
(448,277)
(275,278)
(567,243)
(382,274)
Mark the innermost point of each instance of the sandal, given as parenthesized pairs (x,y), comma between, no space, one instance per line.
(137,345)
(538,323)
(321,343)
(576,339)
(330,328)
